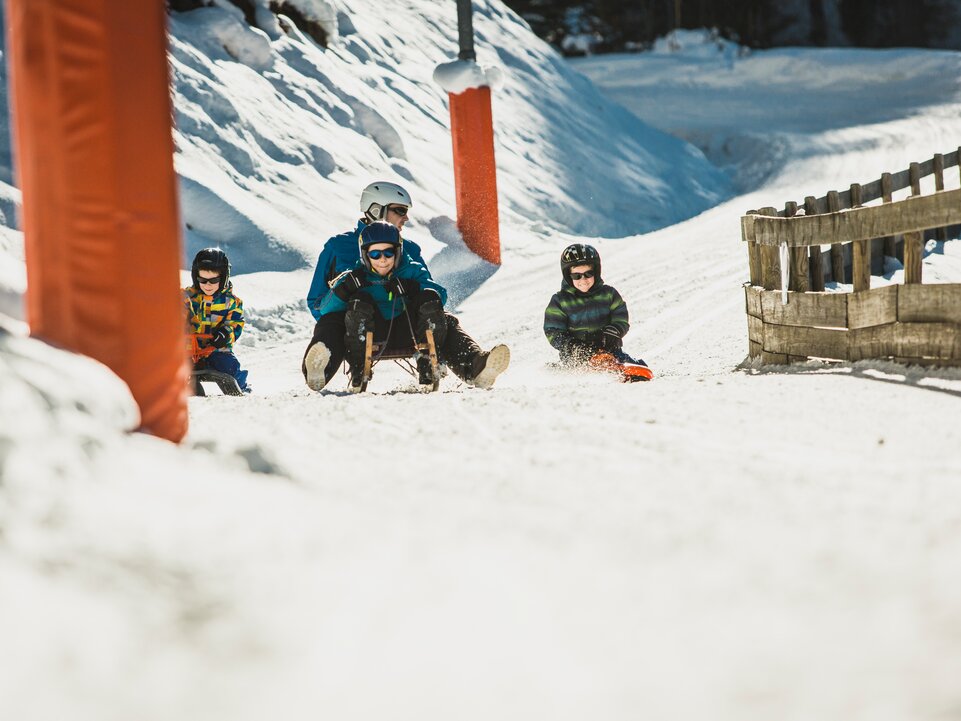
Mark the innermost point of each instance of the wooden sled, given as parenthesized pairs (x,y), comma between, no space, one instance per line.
(375,352)
(225,382)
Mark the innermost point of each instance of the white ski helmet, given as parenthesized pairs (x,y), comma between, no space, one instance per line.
(378,195)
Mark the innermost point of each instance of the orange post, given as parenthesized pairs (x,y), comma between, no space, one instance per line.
(475,174)
(94,160)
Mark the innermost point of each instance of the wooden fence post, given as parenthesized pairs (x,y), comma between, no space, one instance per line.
(770,260)
(890,245)
(817,267)
(913,242)
(837,255)
(942,232)
(799,257)
(860,251)
(754,257)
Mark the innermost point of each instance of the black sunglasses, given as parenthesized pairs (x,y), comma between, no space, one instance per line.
(585,274)
(399,209)
(208,281)
(386,252)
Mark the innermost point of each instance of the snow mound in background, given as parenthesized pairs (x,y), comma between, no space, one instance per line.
(702,43)
(288,132)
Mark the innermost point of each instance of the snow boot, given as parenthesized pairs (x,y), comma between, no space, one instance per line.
(355,383)
(487,365)
(425,374)
(357,321)
(316,364)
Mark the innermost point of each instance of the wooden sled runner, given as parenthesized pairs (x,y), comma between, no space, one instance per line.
(376,352)
(225,382)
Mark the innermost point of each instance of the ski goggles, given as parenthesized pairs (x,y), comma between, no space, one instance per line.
(209,281)
(386,252)
(585,274)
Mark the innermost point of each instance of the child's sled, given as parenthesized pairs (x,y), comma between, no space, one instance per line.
(629,372)
(224,381)
(404,357)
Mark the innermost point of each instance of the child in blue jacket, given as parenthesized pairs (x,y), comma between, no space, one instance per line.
(385,292)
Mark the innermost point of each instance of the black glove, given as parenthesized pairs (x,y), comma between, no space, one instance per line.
(222,336)
(349,283)
(403,287)
(611,338)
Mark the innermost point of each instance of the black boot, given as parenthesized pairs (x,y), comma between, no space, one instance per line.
(358,320)
(425,373)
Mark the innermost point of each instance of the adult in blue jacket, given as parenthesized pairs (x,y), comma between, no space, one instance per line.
(381,200)
(385,201)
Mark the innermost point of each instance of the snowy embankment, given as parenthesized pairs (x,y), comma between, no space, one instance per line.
(783,543)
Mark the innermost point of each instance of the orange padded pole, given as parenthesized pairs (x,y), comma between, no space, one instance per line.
(475,174)
(94,159)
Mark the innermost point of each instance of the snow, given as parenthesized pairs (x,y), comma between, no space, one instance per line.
(460,75)
(726,542)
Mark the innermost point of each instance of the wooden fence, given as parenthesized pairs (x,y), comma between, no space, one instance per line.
(791,318)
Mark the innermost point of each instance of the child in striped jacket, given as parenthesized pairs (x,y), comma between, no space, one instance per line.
(215,316)
(586,316)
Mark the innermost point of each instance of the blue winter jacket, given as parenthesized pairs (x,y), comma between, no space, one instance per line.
(390,305)
(341,253)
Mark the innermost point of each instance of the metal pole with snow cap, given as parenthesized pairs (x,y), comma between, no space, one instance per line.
(472,133)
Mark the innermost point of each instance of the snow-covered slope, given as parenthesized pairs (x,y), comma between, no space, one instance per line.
(275,148)
(722,543)
(757,111)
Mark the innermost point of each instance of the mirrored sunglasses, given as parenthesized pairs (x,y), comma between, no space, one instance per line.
(585,274)
(386,252)
(209,281)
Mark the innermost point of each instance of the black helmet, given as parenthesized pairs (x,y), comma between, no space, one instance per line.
(211,259)
(580,254)
(380,231)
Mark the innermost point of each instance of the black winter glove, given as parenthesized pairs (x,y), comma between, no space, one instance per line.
(611,338)
(403,287)
(349,283)
(222,336)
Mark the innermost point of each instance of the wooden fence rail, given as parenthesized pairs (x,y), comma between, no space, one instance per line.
(910,323)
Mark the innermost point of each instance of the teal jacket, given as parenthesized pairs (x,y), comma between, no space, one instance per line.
(341,253)
(389,305)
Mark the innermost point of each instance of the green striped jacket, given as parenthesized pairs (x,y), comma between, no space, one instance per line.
(572,315)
